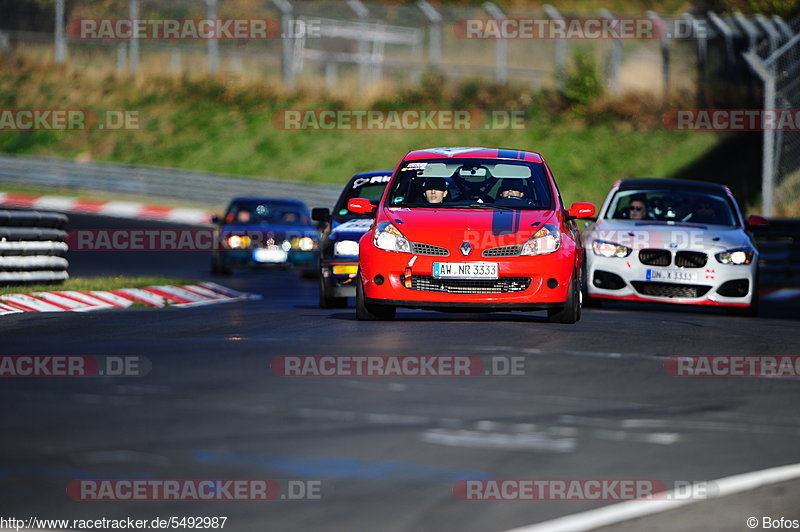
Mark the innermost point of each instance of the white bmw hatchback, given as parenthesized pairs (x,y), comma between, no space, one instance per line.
(673,241)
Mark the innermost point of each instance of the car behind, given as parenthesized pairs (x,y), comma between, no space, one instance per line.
(673,241)
(339,240)
(266,232)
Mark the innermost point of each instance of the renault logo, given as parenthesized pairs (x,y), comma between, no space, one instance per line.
(465,248)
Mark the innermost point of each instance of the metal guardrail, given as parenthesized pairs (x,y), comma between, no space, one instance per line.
(779,250)
(207,189)
(32,247)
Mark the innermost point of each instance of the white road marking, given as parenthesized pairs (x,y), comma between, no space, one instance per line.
(541,442)
(625,511)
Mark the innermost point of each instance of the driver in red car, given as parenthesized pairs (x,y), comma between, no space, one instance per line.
(435,189)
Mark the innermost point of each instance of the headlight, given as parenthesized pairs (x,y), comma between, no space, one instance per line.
(389,238)
(545,240)
(736,256)
(610,249)
(306,243)
(346,248)
(303,243)
(237,241)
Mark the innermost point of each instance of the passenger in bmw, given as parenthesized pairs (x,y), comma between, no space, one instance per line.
(435,189)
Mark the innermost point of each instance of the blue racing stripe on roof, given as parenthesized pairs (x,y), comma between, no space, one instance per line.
(509,154)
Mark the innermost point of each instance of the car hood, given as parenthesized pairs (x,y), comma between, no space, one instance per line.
(351,229)
(661,235)
(482,228)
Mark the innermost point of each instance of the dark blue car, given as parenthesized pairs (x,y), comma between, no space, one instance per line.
(339,243)
(266,232)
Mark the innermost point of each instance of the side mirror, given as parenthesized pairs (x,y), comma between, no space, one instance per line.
(361,206)
(757,222)
(581,210)
(320,214)
(215,219)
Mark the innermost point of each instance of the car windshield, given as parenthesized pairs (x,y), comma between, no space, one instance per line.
(370,188)
(672,205)
(471,184)
(265,213)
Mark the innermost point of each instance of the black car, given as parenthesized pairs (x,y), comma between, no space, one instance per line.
(339,242)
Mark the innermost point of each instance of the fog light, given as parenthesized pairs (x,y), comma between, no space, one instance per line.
(378,280)
(552,283)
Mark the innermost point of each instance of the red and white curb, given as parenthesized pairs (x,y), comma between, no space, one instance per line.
(151,296)
(121,209)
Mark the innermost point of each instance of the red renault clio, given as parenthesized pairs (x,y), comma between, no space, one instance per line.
(471,229)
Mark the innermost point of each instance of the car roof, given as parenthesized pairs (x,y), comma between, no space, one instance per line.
(473,152)
(653,182)
(243,199)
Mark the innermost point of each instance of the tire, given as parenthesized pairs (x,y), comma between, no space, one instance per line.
(587,300)
(369,311)
(326,301)
(571,311)
(218,265)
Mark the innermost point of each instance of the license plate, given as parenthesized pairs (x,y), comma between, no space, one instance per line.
(270,255)
(465,270)
(671,275)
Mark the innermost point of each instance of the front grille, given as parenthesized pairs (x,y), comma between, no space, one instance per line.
(655,257)
(427,249)
(690,259)
(503,251)
(503,285)
(670,289)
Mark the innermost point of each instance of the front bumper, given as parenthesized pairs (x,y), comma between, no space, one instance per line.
(340,276)
(628,279)
(252,258)
(529,283)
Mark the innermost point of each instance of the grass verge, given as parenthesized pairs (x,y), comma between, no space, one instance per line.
(220,125)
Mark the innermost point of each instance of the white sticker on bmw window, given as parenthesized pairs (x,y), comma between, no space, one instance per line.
(354,226)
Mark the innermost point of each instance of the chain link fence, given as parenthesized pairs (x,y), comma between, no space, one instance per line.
(778,66)
(350,46)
